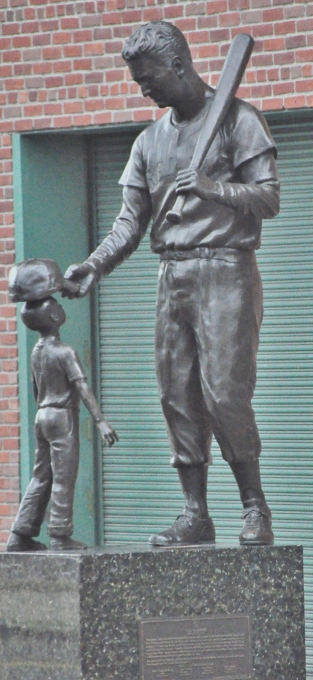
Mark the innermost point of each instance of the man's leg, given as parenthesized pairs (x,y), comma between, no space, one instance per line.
(228,332)
(186,417)
(256,514)
(34,503)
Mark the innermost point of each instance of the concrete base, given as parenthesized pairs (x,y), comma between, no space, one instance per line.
(70,617)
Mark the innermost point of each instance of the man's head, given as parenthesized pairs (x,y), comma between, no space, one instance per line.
(158,57)
(44,316)
(158,38)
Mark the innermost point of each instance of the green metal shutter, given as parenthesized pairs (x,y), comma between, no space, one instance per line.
(141,493)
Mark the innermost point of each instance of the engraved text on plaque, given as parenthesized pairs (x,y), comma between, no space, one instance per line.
(201,648)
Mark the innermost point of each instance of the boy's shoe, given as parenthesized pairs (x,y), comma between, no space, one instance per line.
(183,532)
(20,543)
(257,526)
(65,543)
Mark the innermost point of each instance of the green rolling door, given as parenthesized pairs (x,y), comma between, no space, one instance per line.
(141,494)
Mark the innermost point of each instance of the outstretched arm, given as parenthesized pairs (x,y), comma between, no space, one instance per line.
(109,436)
(129,228)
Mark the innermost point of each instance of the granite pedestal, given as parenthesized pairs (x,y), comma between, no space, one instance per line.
(70,617)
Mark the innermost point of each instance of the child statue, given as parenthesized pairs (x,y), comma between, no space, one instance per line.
(59,382)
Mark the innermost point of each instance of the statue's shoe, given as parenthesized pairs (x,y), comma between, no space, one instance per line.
(257,526)
(183,532)
(65,543)
(20,543)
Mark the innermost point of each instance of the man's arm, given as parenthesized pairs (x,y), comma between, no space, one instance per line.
(129,228)
(109,436)
(257,192)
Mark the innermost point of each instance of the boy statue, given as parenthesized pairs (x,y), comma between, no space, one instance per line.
(59,382)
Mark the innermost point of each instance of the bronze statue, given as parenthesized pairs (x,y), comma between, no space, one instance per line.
(59,382)
(209,307)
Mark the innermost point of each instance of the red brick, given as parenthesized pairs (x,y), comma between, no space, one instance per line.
(94,104)
(61,38)
(238,4)
(93,49)
(115,74)
(102,118)
(111,18)
(173,12)
(82,64)
(14,83)
(304,85)
(84,120)
(62,122)
(52,53)
(260,30)
(21,41)
(273,44)
(62,66)
(68,23)
(285,27)
(115,103)
(294,41)
(82,36)
(52,109)
(73,50)
(294,102)
(42,68)
(283,88)
(229,19)
(208,51)
(276,14)
(284,58)
(219,35)
(73,78)
(153,14)
(30,27)
(11,55)
(54,81)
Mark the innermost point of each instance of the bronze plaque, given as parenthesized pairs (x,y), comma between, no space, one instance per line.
(197,648)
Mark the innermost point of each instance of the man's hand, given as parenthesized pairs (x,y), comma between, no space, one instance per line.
(194,181)
(83,275)
(108,435)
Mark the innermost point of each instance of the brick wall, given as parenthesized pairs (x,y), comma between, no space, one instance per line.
(61,67)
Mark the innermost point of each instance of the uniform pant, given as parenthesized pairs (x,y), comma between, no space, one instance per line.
(209,313)
(54,474)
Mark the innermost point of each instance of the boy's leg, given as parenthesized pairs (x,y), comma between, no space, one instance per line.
(62,429)
(34,503)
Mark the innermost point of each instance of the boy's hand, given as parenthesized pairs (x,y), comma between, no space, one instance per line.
(108,435)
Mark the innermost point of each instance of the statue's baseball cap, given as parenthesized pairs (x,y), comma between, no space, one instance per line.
(36,279)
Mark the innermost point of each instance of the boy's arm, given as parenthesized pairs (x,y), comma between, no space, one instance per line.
(35,388)
(109,436)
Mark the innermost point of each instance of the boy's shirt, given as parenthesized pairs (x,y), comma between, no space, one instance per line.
(55,367)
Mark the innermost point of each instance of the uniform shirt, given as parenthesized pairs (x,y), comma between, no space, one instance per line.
(55,367)
(241,159)
(166,147)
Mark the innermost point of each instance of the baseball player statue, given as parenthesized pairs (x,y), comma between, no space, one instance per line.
(209,305)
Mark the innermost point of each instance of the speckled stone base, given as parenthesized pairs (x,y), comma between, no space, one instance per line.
(70,617)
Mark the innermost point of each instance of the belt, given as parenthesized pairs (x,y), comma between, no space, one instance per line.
(201,252)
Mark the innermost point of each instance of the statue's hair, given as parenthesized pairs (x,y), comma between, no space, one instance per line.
(156,37)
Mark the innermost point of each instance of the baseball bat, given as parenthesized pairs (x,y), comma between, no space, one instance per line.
(232,72)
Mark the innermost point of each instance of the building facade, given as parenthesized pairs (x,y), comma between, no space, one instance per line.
(69,114)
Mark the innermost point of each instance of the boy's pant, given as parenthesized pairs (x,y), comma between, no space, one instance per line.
(209,313)
(54,474)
